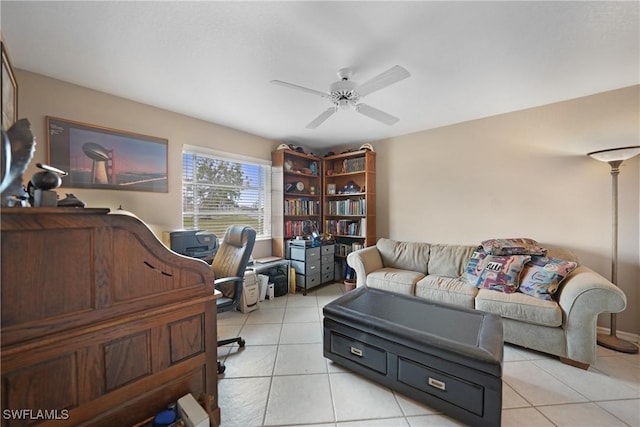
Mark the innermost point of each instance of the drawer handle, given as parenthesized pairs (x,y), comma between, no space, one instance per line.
(356,351)
(437,384)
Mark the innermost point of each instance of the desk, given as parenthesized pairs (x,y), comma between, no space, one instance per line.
(261,267)
(120,326)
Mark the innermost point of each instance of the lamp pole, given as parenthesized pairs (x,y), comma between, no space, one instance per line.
(615,157)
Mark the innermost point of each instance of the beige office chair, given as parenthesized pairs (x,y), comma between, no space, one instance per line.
(229,266)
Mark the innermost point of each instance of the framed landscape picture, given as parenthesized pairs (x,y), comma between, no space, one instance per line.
(9,91)
(102,158)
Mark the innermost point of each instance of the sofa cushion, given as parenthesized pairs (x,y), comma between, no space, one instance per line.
(474,266)
(502,272)
(449,260)
(394,280)
(519,306)
(513,246)
(404,255)
(562,253)
(447,289)
(542,275)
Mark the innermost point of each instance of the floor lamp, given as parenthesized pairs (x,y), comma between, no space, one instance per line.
(615,157)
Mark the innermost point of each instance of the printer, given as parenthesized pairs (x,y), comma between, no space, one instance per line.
(194,243)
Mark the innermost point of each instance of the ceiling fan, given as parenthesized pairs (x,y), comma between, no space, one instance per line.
(345,94)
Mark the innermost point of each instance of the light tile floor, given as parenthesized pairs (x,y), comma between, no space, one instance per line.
(280,378)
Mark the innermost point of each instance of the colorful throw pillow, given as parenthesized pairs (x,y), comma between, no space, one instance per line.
(542,276)
(514,246)
(472,270)
(501,272)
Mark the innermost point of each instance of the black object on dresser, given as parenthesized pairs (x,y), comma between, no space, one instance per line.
(447,357)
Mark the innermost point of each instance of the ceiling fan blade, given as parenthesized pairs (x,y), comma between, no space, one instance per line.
(321,118)
(302,88)
(389,77)
(376,114)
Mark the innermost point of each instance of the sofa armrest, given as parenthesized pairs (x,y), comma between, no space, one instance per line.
(364,261)
(583,295)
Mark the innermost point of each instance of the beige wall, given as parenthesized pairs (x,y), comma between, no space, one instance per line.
(40,96)
(522,174)
(518,174)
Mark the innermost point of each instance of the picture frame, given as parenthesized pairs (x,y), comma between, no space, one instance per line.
(103,158)
(331,189)
(9,88)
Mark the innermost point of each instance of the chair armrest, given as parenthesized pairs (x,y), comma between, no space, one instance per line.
(234,292)
(364,261)
(582,296)
(227,279)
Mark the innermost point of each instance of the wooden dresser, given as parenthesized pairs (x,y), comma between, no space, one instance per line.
(102,325)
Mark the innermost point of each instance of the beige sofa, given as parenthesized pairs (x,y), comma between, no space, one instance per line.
(564,326)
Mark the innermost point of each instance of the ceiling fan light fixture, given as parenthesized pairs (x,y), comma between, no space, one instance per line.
(344,104)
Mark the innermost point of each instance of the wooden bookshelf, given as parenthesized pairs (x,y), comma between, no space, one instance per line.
(349,200)
(296,197)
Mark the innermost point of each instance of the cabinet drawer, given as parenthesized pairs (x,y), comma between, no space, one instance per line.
(359,352)
(304,254)
(327,268)
(309,281)
(327,249)
(328,277)
(306,267)
(327,259)
(454,390)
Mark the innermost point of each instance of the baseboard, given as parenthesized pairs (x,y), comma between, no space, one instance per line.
(634,338)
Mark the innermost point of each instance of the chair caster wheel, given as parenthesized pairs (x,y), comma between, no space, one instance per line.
(241,343)
(221,368)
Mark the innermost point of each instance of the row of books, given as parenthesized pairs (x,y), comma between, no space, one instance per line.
(345,227)
(347,207)
(301,207)
(344,249)
(299,228)
(353,165)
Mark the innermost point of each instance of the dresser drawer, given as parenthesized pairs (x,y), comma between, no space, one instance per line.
(327,259)
(327,250)
(454,390)
(326,268)
(305,254)
(328,277)
(306,268)
(308,282)
(364,354)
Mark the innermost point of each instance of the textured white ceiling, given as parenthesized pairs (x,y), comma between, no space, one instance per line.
(214,60)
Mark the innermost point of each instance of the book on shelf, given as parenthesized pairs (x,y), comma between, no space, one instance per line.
(346,227)
(344,249)
(353,165)
(347,207)
(299,228)
(301,207)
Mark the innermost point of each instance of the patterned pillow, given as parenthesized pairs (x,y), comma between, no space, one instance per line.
(515,246)
(502,272)
(542,276)
(472,270)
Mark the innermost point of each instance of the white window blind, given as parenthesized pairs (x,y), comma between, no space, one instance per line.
(220,189)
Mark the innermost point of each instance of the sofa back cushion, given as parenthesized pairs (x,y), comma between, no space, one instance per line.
(449,260)
(562,253)
(404,255)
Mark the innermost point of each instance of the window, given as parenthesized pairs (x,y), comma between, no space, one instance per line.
(221,189)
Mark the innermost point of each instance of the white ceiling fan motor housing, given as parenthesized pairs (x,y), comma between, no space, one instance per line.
(343,92)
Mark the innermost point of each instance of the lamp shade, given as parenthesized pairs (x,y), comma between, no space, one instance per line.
(615,154)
